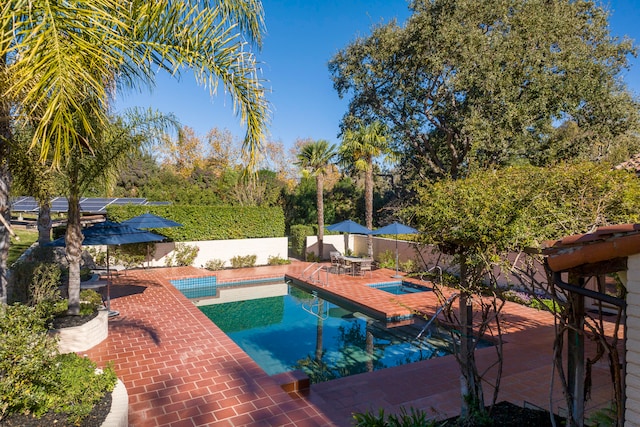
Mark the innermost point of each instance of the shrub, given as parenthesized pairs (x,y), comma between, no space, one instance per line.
(33,282)
(299,235)
(81,385)
(546,304)
(312,257)
(416,418)
(27,357)
(409,266)
(276,260)
(517,297)
(131,255)
(387,259)
(243,261)
(215,264)
(183,255)
(35,379)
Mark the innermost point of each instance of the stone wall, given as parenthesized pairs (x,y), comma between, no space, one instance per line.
(632,378)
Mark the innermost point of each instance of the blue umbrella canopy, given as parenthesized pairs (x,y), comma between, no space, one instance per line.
(395,228)
(148,220)
(349,226)
(112,233)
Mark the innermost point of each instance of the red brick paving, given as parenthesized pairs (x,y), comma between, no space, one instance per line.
(182,370)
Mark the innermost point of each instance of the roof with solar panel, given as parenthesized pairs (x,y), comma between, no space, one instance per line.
(94,205)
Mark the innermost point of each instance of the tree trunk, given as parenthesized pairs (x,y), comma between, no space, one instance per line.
(44,222)
(320,203)
(470,386)
(5,237)
(368,205)
(5,186)
(73,240)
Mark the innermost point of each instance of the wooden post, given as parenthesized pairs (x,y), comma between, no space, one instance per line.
(575,355)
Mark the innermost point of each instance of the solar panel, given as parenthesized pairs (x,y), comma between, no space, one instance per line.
(87,204)
(24,204)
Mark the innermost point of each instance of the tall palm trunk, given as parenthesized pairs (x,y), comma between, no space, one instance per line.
(320,203)
(44,222)
(73,241)
(368,205)
(5,185)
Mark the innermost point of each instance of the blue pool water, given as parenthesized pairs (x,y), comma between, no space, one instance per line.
(299,330)
(399,288)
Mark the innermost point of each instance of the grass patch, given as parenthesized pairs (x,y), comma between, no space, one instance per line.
(17,247)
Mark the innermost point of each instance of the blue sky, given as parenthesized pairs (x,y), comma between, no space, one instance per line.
(302,35)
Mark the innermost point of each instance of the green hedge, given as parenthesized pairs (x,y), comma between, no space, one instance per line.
(209,222)
(299,235)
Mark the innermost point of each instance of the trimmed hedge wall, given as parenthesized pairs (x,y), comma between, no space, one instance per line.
(299,235)
(209,222)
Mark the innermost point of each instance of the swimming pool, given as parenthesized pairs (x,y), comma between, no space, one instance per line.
(399,288)
(295,329)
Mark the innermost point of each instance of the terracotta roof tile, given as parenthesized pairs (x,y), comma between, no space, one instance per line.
(633,164)
(603,244)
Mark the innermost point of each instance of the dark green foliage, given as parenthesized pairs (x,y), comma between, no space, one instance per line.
(299,235)
(80,386)
(35,379)
(413,418)
(27,357)
(34,282)
(210,222)
(467,83)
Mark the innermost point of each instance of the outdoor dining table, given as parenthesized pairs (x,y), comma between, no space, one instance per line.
(355,262)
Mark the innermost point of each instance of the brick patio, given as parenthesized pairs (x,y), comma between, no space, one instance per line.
(181,370)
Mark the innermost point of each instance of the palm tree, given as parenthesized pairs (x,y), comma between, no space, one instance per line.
(315,157)
(62,63)
(360,146)
(123,137)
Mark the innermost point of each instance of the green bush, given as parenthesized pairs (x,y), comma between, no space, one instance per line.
(33,282)
(183,255)
(35,379)
(311,257)
(387,259)
(240,261)
(215,264)
(414,418)
(299,235)
(210,222)
(546,304)
(27,356)
(409,266)
(276,260)
(81,386)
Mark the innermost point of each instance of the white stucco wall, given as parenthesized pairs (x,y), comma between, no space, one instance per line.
(225,250)
(632,377)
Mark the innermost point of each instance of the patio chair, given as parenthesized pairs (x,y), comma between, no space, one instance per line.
(335,261)
(366,265)
(345,265)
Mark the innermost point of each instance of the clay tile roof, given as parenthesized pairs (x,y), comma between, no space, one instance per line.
(633,164)
(605,243)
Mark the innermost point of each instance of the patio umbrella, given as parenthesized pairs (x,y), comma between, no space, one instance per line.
(149,220)
(111,233)
(348,226)
(395,228)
